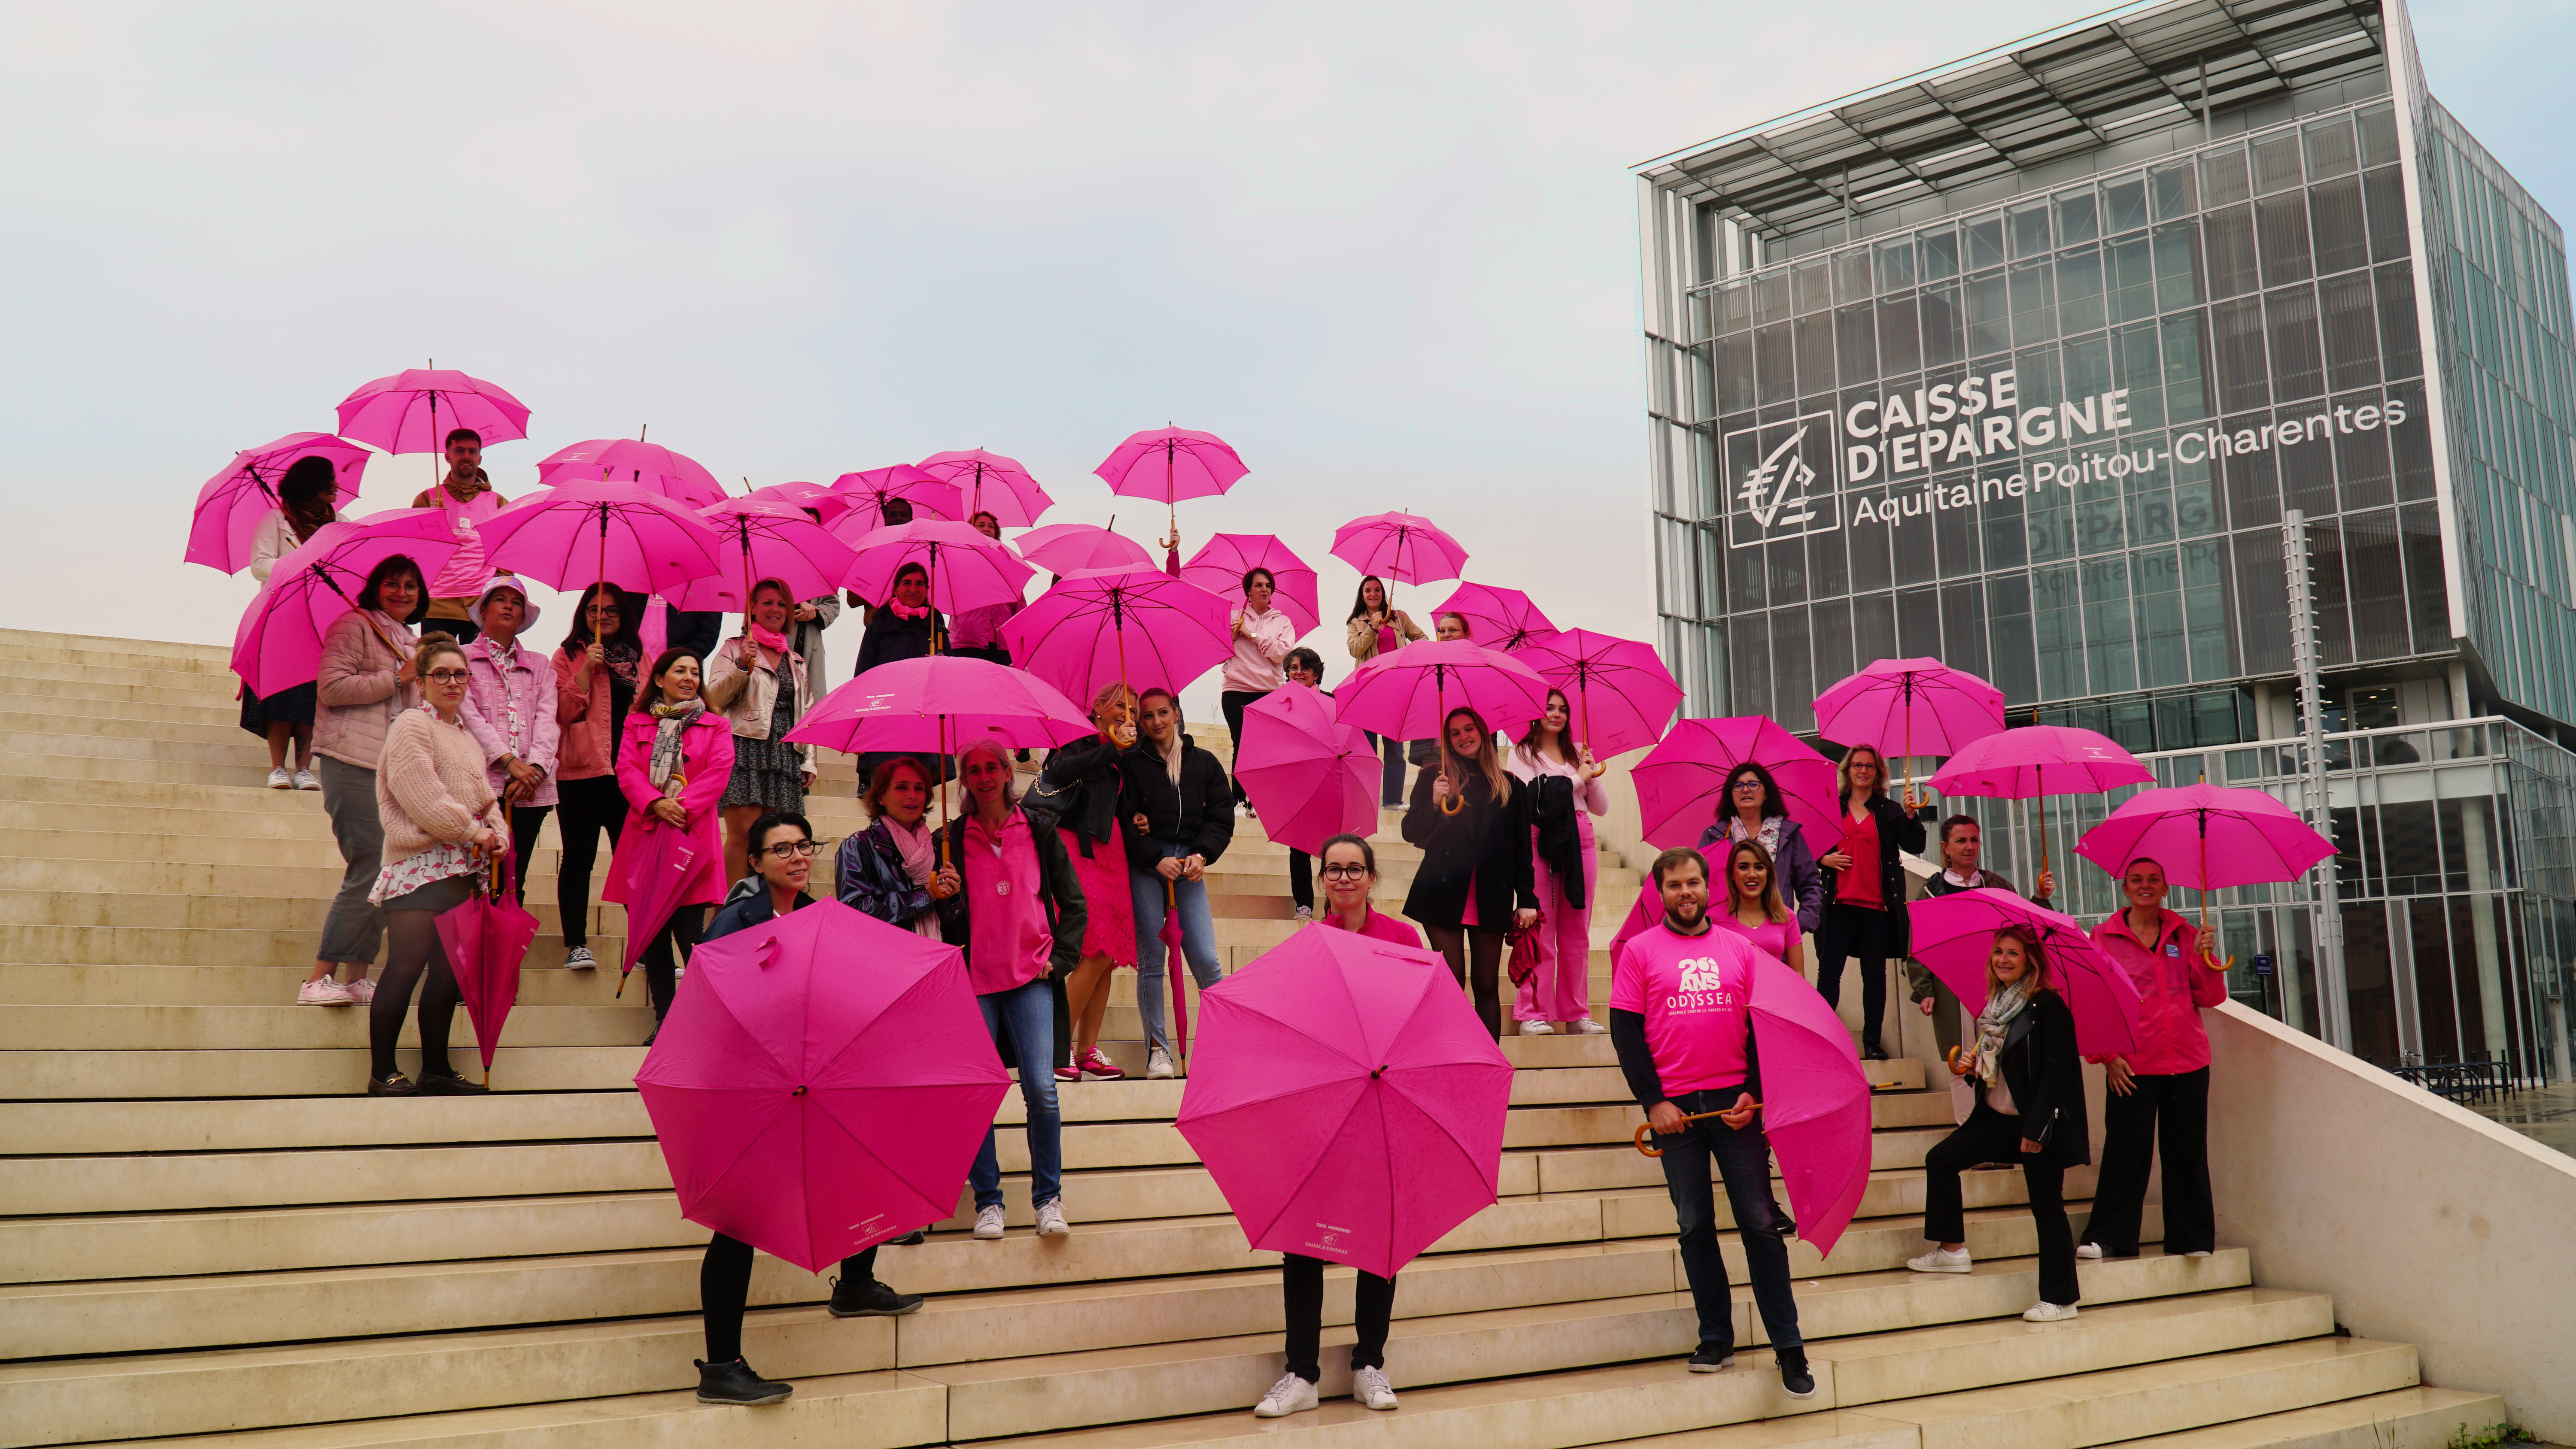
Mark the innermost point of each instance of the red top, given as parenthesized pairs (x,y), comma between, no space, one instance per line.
(1378,927)
(1857,884)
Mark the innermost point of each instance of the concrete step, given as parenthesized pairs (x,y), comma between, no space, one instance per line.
(2416,1418)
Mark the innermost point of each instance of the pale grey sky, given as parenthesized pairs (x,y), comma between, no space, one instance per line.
(1387,250)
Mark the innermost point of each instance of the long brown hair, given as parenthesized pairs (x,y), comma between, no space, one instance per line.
(1488,762)
(1566,749)
(1774,908)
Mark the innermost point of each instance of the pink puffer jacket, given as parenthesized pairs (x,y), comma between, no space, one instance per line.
(357,697)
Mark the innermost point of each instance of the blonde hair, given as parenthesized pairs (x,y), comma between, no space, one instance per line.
(432,645)
(1842,772)
(2031,952)
(1115,693)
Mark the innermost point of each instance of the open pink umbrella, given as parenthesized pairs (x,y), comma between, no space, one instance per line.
(487,939)
(2040,760)
(2207,837)
(767,539)
(1622,694)
(1311,776)
(233,503)
(414,410)
(1103,626)
(1350,1105)
(1681,783)
(575,534)
(822,1084)
(1815,1101)
(990,483)
(1171,464)
(1954,934)
(1405,547)
(278,644)
(1497,618)
(1407,695)
(816,496)
(967,570)
(870,490)
(1913,704)
(1064,548)
(648,466)
(1219,567)
(940,703)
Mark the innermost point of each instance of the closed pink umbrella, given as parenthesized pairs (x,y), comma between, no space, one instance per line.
(870,490)
(1220,565)
(990,483)
(278,643)
(1954,934)
(1915,704)
(940,703)
(2040,760)
(767,539)
(576,534)
(648,466)
(653,866)
(487,940)
(414,410)
(1498,618)
(822,1084)
(1405,547)
(1311,776)
(967,570)
(1103,626)
(1169,465)
(1350,1105)
(1815,1101)
(1064,548)
(2207,837)
(233,503)
(1622,694)
(1681,783)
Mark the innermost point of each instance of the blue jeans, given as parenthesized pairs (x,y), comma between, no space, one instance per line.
(1027,1012)
(1743,1159)
(1145,890)
(1390,788)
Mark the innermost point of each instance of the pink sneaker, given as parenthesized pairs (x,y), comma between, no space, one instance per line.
(361,991)
(1102,1068)
(1068,1074)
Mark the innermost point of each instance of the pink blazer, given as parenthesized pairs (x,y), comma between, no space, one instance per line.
(706,760)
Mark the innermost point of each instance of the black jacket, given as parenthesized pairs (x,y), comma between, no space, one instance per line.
(744,912)
(1089,769)
(1898,833)
(1059,891)
(1199,816)
(2040,1066)
(1560,834)
(1486,841)
(889,638)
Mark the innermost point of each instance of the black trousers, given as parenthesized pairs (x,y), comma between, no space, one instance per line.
(724,1290)
(525,822)
(661,970)
(1301,878)
(1991,1136)
(1234,702)
(1742,1157)
(1854,931)
(2172,1111)
(586,808)
(1301,1283)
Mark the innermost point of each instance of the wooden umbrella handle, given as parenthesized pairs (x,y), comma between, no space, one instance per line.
(1646,1130)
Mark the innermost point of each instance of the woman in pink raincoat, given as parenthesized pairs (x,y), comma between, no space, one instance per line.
(672,767)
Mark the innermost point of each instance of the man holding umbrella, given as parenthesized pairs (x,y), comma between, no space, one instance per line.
(469,500)
(1681,1020)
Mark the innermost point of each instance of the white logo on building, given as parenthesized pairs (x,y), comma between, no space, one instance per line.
(1776,491)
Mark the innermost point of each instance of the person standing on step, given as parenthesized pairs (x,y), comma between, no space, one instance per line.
(1751,809)
(1754,908)
(2159,1095)
(978,633)
(903,627)
(2030,1109)
(672,767)
(365,678)
(1962,847)
(1864,889)
(510,712)
(1565,793)
(1350,871)
(1262,638)
(1009,899)
(1681,1021)
(1082,782)
(1179,818)
(465,495)
(761,685)
(780,848)
(1375,628)
(1475,883)
(596,671)
(307,497)
(1304,667)
(443,827)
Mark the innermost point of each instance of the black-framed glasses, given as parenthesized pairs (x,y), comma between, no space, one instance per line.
(786,849)
(1345,872)
(449,676)
(1743,785)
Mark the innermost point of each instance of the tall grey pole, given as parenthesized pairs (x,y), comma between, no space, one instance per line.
(2334,1006)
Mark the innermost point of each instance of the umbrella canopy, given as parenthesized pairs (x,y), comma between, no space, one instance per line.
(1103,626)
(1350,1105)
(1815,1101)
(1064,548)
(2207,837)
(822,1084)
(990,483)
(869,491)
(1171,464)
(1498,618)
(1912,706)
(653,865)
(573,534)
(648,466)
(1311,776)
(766,539)
(414,410)
(233,503)
(1681,783)
(967,570)
(2036,760)
(278,644)
(805,495)
(486,939)
(1220,565)
(940,703)
(1405,547)
(1622,694)
(1954,934)
(1408,694)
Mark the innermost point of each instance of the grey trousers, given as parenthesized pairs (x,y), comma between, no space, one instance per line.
(355,929)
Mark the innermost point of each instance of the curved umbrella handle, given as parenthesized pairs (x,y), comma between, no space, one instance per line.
(1646,1130)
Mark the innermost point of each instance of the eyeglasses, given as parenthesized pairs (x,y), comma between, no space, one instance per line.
(1345,872)
(786,849)
(449,676)
(1743,785)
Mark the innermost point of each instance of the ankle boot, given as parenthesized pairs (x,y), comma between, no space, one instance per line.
(733,1382)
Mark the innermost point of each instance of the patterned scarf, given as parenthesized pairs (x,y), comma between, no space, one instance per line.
(2001,1007)
(919,845)
(672,722)
(1769,834)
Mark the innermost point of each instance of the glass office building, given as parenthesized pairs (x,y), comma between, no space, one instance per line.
(2023,362)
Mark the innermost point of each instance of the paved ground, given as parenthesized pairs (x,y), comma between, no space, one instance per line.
(2546,1115)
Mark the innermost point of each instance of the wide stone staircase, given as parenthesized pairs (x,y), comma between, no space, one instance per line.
(206,1231)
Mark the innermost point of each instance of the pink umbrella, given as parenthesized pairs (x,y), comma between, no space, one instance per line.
(414,410)
(487,939)
(1405,547)
(805,495)
(1311,776)
(648,466)
(1681,783)
(967,570)
(871,490)
(768,540)
(1219,568)
(1102,626)
(2021,764)
(991,483)
(278,644)
(1815,1101)
(1915,702)
(1064,548)
(1407,695)
(940,703)
(822,1084)
(1171,464)
(1498,618)
(2207,837)
(581,533)
(1954,934)
(1622,693)
(233,503)
(653,864)
(1351,1106)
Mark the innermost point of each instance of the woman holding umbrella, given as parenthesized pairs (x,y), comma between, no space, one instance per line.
(2160,1094)
(1564,796)
(673,767)
(1864,889)
(510,712)
(305,498)
(885,870)
(902,628)
(759,682)
(1081,781)
(1376,628)
(596,673)
(1962,846)
(1475,877)
(366,677)
(1262,637)
(1180,818)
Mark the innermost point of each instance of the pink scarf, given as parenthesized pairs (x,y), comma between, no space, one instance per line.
(902,612)
(769,639)
(920,858)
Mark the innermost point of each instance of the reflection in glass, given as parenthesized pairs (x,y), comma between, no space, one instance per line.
(2124,205)
(2076,219)
(2171,185)
(1937,251)
(2079,290)
(2028,222)
(1985,236)
(2281,235)
(2223,179)
(2276,164)
(2298,365)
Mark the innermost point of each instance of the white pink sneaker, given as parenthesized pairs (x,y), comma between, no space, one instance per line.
(362,991)
(323,992)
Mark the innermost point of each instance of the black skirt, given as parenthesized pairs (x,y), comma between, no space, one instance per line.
(292,706)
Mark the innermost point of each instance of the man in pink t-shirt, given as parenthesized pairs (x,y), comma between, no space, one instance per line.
(1681,1020)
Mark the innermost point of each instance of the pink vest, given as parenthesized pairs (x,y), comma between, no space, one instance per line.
(466,568)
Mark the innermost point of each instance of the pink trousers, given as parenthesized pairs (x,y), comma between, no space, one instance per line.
(1562,988)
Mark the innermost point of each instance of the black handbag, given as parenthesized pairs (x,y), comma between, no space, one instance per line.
(1047,802)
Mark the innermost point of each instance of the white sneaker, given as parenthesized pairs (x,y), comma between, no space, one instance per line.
(2089,1252)
(1941,1260)
(281,779)
(1586,1026)
(325,992)
(988,1222)
(1051,1223)
(1158,1063)
(1291,1395)
(2197,1253)
(304,780)
(1305,915)
(1370,1388)
(362,991)
(1537,1028)
(2049,1312)
(578,958)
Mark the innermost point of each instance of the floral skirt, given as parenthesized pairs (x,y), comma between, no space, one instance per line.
(1109,921)
(767,774)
